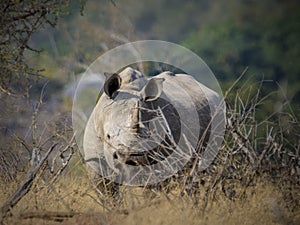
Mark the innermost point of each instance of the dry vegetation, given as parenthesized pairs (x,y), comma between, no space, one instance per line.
(254,179)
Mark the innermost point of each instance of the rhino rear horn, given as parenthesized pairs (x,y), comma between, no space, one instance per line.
(152,89)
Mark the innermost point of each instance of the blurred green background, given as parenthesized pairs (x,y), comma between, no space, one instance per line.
(230,36)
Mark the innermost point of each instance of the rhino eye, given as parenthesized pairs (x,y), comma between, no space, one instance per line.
(111,85)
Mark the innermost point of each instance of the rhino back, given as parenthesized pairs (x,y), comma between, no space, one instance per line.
(196,96)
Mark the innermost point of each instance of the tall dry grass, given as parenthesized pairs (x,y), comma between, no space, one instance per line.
(254,179)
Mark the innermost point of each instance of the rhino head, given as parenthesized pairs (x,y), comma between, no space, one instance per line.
(130,119)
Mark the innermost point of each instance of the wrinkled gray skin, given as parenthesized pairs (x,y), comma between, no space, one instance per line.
(137,121)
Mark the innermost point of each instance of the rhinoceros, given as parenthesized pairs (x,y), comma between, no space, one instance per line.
(147,127)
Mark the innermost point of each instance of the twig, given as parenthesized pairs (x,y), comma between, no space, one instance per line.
(57,216)
(66,160)
(25,186)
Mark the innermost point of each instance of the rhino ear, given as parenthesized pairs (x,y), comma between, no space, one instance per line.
(152,89)
(112,84)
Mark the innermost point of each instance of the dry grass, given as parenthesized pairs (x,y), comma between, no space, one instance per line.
(254,179)
(73,200)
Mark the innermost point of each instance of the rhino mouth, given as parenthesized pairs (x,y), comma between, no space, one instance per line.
(149,157)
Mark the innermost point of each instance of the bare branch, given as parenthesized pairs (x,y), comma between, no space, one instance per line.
(24,187)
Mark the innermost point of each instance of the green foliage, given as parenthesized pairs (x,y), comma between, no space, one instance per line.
(264,38)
